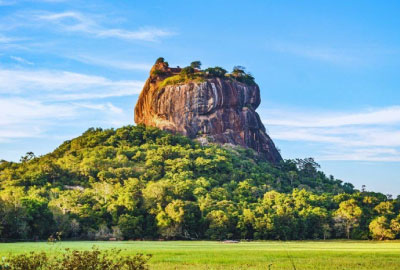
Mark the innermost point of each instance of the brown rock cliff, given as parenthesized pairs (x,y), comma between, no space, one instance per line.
(219,109)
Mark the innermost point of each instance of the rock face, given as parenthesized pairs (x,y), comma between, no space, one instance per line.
(219,109)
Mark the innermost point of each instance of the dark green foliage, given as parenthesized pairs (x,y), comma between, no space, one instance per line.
(158,72)
(240,75)
(74,259)
(215,72)
(139,182)
(193,72)
(238,70)
(187,71)
(160,60)
(27,157)
(196,64)
(38,217)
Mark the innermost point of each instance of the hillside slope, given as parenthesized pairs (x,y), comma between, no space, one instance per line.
(141,182)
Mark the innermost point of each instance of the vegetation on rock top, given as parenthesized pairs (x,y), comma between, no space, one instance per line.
(194,73)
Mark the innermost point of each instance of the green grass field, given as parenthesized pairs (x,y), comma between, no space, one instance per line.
(347,255)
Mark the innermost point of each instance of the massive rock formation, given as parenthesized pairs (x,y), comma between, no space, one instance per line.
(220,109)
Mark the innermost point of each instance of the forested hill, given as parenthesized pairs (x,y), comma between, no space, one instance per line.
(149,154)
(140,182)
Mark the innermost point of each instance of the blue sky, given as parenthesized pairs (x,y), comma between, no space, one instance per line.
(328,72)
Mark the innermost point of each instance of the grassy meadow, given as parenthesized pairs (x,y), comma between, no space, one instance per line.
(245,255)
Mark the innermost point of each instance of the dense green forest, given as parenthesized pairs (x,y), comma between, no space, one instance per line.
(139,182)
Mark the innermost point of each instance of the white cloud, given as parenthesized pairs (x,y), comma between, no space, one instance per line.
(367,135)
(112,115)
(102,107)
(18,132)
(24,118)
(13,2)
(7,3)
(5,39)
(19,110)
(389,115)
(112,63)
(78,22)
(91,106)
(338,55)
(21,60)
(114,109)
(52,1)
(325,54)
(33,102)
(64,85)
(363,154)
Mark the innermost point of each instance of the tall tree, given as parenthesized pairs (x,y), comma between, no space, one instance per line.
(348,215)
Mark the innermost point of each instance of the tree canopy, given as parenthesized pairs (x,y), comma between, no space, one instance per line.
(139,182)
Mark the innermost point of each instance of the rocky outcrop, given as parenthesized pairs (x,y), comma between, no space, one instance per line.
(219,109)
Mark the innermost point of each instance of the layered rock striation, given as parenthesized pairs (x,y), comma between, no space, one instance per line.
(219,109)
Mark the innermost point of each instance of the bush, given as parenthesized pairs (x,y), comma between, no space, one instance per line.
(160,60)
(74,259)
(196,64)
(246,78)
(215,72)
(240,75)
(187,71)
(29,261)
(158,72)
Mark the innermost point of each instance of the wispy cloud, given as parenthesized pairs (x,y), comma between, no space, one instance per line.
(317,53)
(364,154)
(13,2)
(21,60)
(111,114)
(64,85)
(338,55)
(34,101)
(19,110)
(7,2)
(388,115)
(5,39)
(367,135)
(52,1)
(24,118)
(77,22)
(103,107)
(112,63)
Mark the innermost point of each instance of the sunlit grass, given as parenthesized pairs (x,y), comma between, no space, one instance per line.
(244,255)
